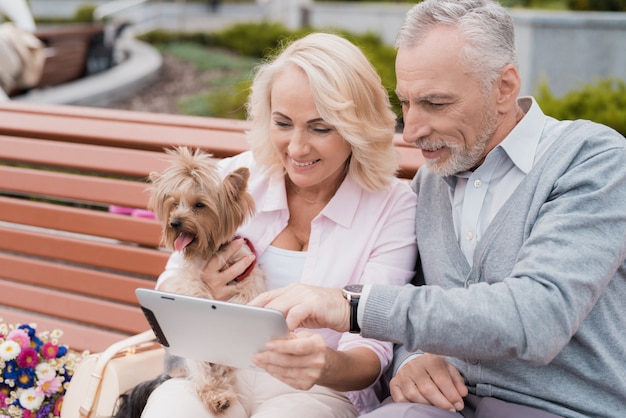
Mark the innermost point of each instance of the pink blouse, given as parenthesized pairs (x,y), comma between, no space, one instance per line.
(359,237)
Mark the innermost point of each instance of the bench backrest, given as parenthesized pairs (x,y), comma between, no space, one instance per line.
(65,259)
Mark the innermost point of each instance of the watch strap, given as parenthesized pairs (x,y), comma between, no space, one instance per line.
(354,324)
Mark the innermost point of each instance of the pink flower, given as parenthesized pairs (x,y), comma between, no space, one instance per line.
(20,337)
(49,386)
(28,358)
(49,350)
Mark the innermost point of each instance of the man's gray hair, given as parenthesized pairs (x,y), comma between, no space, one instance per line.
(486,26)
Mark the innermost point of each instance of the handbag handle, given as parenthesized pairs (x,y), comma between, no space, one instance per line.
(127,344)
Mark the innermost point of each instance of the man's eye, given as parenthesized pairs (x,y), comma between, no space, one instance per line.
(435,105)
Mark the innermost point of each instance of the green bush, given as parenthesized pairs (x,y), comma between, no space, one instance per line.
(254,39)
(598,5)
(84,13)
(223,102)
(603,101)
(258,41)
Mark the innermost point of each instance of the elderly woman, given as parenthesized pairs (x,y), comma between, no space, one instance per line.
(330,212)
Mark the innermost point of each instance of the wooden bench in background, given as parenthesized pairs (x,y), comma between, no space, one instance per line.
(65,260)
(67,49)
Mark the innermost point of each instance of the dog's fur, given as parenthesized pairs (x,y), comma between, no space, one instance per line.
(200,213)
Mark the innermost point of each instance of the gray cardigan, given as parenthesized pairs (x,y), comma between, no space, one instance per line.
(540,319)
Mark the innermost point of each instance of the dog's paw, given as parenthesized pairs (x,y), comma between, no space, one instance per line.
(222,405)
(218,401)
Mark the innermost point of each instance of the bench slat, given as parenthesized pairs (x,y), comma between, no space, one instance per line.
(156,120)
(100,284)
(102,313)
(93,189)
(78,337)
(102,132)
(81,221)
(94,158)
(103,255)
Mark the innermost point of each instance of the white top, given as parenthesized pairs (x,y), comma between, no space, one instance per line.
(283,266)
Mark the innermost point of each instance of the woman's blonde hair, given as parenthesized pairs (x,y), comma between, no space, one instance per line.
(349,96)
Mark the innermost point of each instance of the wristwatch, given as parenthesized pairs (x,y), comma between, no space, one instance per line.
(352,293)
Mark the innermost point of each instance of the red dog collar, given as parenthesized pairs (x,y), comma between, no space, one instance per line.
(247,271)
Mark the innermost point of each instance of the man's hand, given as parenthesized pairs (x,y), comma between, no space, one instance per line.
(308,306)
(429,379)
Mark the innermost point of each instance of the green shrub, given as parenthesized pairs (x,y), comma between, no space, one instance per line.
(603,101)
(598,5)
(84,13)
(224,102)
(254,39)
(257,41)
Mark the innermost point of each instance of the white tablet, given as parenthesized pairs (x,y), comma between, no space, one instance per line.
(210,330)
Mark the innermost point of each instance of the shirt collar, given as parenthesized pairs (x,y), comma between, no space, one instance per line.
(341,209)
(520,145)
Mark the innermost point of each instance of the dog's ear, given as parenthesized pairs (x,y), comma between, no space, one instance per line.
(235,187)
(236,182)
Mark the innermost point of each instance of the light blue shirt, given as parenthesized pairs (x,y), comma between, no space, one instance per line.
(477,196)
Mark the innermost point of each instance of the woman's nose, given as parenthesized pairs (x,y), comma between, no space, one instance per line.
(298,143)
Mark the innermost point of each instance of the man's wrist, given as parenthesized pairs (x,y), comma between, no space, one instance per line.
(352,294)
(362,301)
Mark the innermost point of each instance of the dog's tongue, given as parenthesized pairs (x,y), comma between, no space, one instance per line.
(182,241)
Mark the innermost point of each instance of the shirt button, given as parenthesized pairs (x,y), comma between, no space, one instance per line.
(477,183)
(469,236)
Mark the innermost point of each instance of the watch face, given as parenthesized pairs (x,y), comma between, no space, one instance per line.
(354,289)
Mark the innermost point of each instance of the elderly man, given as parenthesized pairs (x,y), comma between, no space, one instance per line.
(521,228)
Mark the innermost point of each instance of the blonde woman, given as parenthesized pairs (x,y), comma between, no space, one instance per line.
(330,212)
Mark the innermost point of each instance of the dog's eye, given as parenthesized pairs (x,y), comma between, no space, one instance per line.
(199,205)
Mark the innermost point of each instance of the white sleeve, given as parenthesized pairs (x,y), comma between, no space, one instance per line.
(174,263)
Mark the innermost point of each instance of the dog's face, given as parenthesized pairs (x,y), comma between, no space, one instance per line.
(197,209)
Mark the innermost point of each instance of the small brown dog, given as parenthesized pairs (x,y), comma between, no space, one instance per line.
(200,213)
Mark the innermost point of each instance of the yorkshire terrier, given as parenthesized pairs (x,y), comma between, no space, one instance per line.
(200,213)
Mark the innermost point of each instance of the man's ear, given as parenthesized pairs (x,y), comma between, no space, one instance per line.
(509,84)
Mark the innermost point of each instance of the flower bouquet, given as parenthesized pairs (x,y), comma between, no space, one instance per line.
(35,371)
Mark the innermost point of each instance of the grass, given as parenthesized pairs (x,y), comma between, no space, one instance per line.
(227,91)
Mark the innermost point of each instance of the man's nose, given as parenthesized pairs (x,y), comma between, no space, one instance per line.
(416,125)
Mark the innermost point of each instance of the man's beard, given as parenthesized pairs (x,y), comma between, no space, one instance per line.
(459,157)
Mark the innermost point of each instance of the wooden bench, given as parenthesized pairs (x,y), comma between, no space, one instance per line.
(67,49)
(66,261)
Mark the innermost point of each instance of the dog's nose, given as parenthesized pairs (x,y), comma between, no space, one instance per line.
(175,224)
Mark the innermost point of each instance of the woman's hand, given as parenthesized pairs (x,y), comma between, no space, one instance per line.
(218,275)
(429,379)
(300,361)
